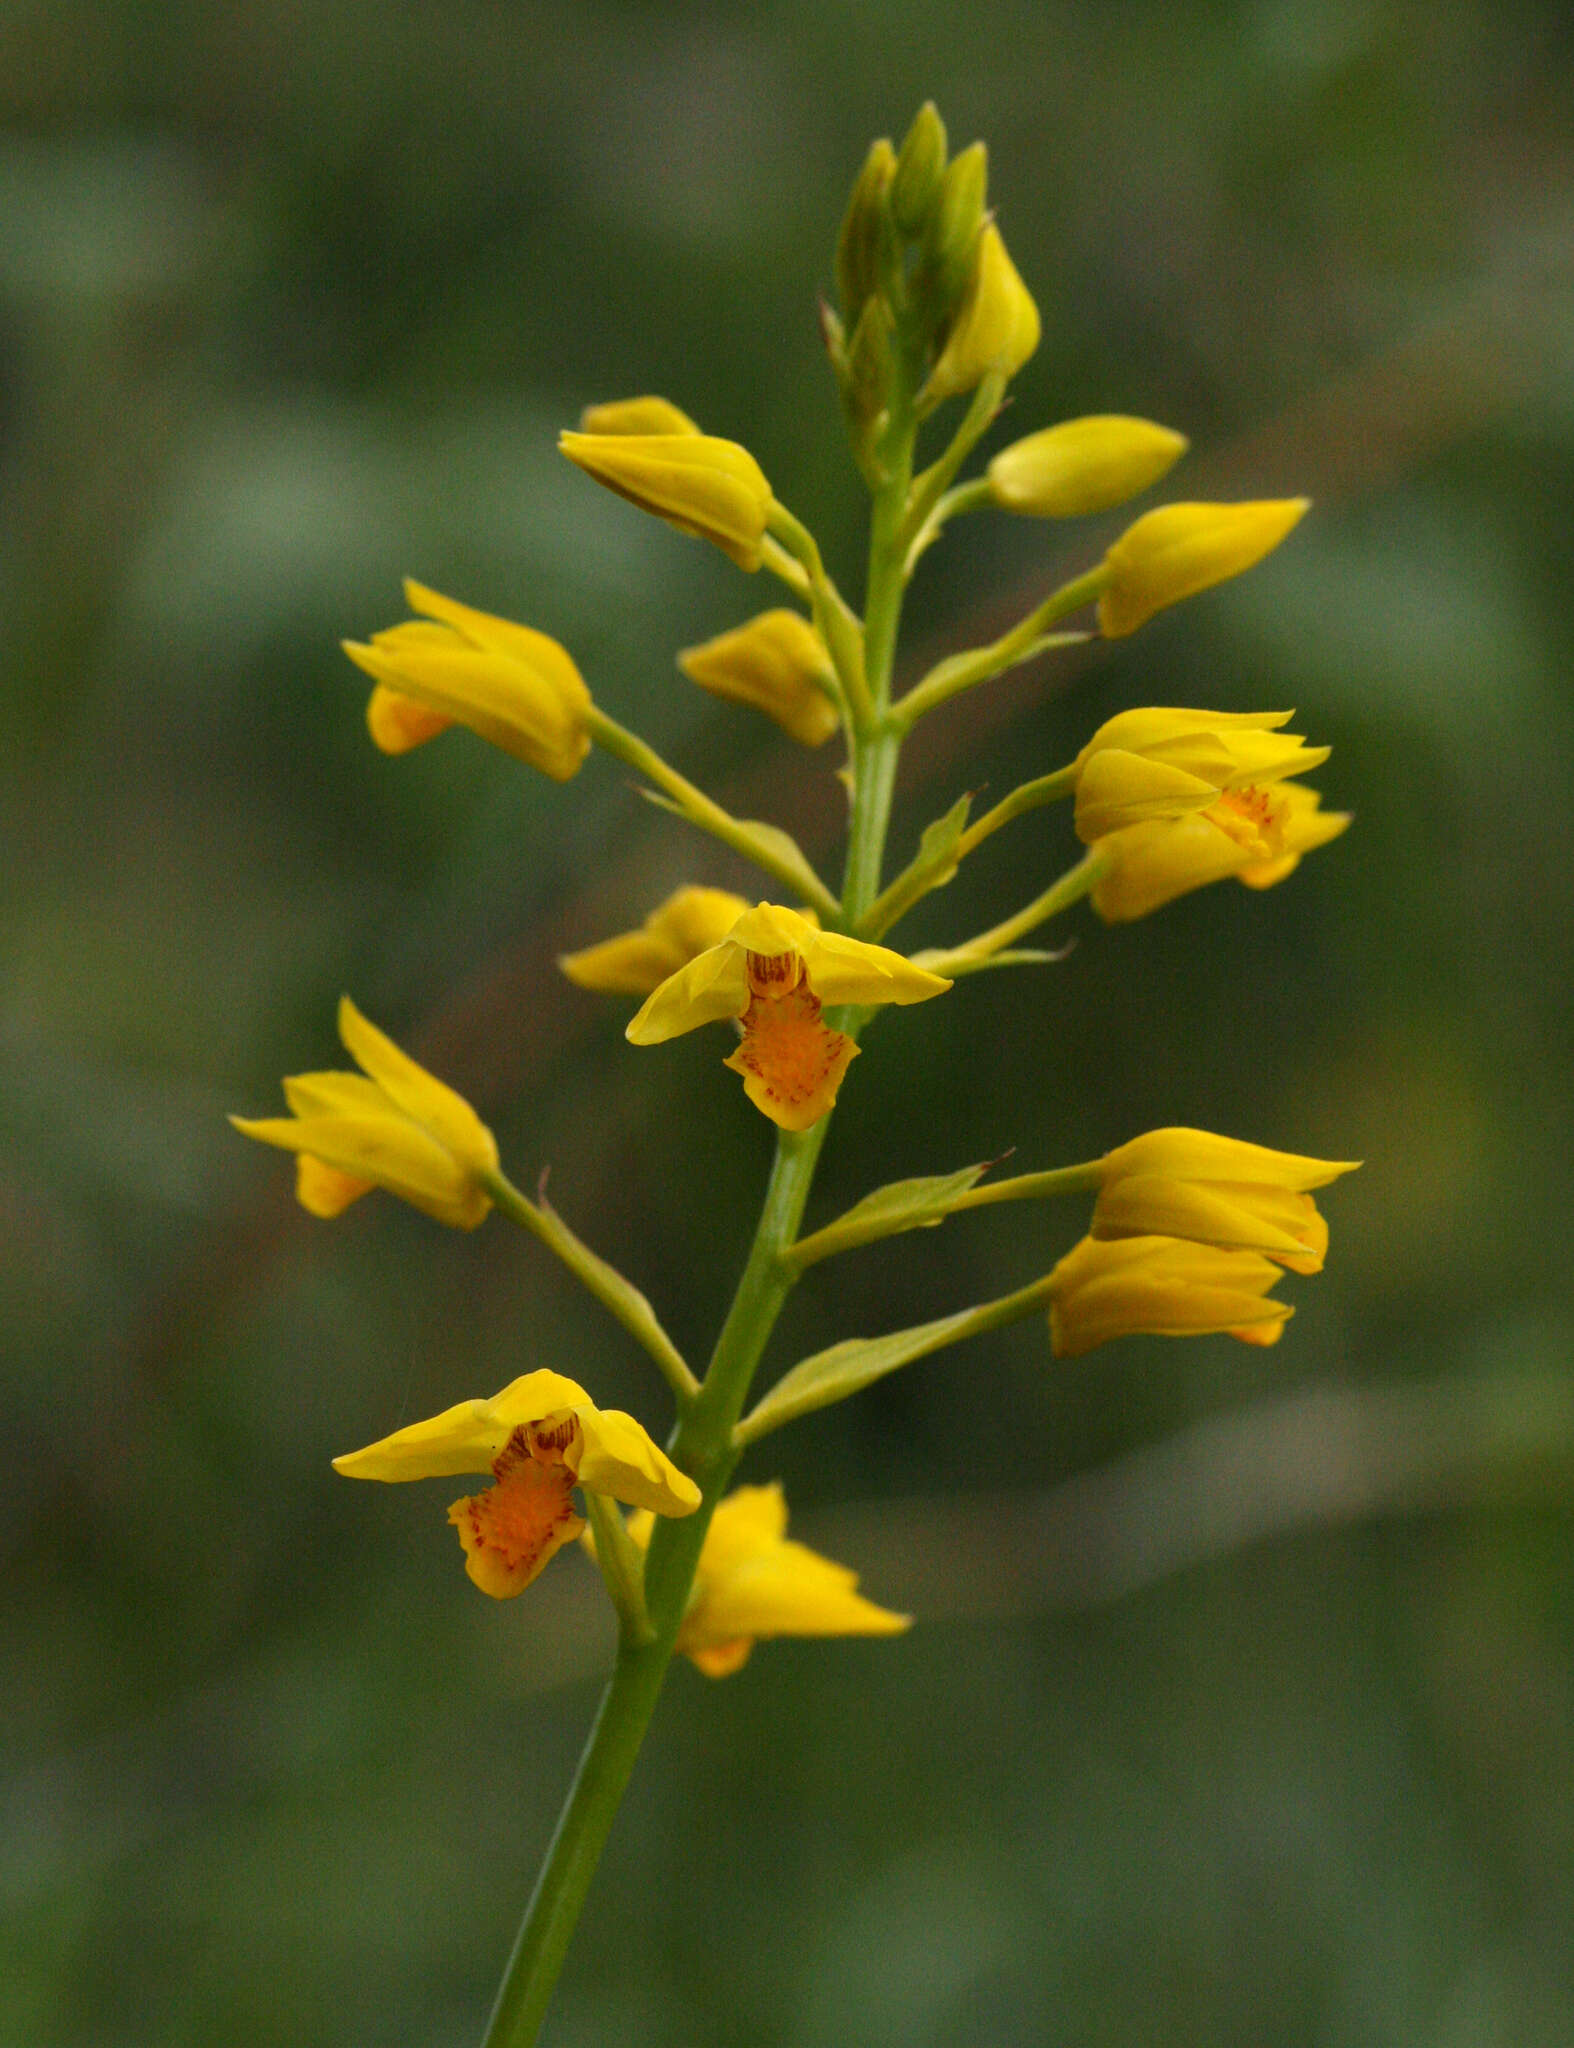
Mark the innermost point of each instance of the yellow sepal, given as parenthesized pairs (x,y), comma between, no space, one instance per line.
(636,416)
(633,963)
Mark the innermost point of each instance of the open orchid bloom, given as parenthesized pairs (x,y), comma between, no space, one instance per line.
(539,1438)
(774,973)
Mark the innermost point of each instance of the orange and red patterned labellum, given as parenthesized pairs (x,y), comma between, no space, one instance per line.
(792,1064)
(512,1532)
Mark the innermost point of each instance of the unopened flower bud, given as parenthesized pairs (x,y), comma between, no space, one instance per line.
(863,244)
(996,327)
(697,483)
(777,663)
(952,228)
(1177,550)
(920,166)
(1082,466)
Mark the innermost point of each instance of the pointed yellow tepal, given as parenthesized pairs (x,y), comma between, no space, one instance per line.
(539,1438)
(391,1126)
(456,666)
(633,963)
(1177,550)
(697,483)
(775,972)
(996,327)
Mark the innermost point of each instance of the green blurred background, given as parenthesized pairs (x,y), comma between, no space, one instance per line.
(1241,1706)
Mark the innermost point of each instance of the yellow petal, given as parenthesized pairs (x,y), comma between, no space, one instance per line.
(1151,864)
(1178,550)
(1150,727)
(845,970)
(704,486)
(1157,1286)
(619,1459)
(1083,465)
(636,416)
(714,985)
(1275,1221)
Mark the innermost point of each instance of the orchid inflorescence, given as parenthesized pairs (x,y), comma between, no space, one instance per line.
(1189,1232)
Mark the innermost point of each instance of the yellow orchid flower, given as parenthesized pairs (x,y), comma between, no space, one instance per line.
(1220,1191)
(1149,865)
(391,1126)
(456,666)
(539,1438)
(754,1582)
(636,416)
(1161,1287)
(635,962)
(774,972)
(996,327)
(1083,465)
(1177,550)
(1162,762)
(697,483)
(776,663)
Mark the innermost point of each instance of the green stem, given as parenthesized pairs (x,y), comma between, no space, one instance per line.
(1028,637)
(767,847)
(1072,886)
(703,1441)
(1046,789)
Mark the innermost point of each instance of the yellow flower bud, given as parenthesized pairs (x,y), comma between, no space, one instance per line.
(397,1128)
(511,685)
(1221,1191)
(775,972)
(754,1582)
(1083,465)
(697,483)
(1151,864)
(636,416)
(539,1438)
(1161,1287)
(777,663)
(996,327)
(1162,762)
(636,962)
(1177,550)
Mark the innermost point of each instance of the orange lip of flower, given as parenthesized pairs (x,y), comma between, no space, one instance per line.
(792,1064)
(513,1530)
(1253,817)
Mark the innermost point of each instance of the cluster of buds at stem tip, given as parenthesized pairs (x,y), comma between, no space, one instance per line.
(927,290)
